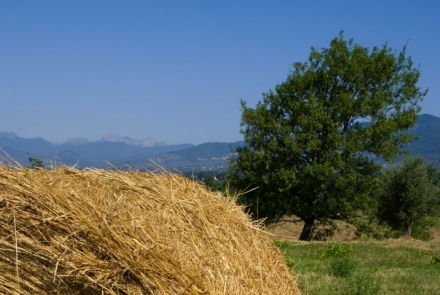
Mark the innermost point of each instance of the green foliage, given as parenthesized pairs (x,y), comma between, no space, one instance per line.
(283,246)
(371,228)
(310,142)
(337,250)
(36,163)
(422,229)
(342,266)
(377,268)
(363,284)
(435,260)
(408,193)
(379,231)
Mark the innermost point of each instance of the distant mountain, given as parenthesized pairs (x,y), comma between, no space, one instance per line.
(20,149)
(123,152)
(77,140)
(427,145)
(146,142)
(78,151)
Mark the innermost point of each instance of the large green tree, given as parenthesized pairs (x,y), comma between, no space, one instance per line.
(309,144)
(408,193)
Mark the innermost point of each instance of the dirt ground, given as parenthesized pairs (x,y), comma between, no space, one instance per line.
(290,231)
(345,232)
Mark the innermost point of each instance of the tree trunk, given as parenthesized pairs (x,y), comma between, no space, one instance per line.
(306,234)
(408,229)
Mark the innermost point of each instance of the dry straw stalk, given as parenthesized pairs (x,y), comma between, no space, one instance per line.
(69,231)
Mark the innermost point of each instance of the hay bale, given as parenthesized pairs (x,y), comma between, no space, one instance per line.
(67,231)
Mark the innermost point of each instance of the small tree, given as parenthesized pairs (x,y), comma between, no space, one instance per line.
(35,163)
(408,193)
(308,142)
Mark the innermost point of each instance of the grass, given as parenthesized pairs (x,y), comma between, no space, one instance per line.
(365,267)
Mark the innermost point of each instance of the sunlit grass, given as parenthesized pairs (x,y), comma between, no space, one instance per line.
(388,267)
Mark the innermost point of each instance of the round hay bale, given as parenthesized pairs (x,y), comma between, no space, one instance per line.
(68,231)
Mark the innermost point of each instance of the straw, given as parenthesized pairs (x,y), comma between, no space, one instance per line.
(69,231)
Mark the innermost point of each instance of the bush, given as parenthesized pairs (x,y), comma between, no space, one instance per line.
(337,250)
(422,229)
(435,260)
(370,228)
(342,266)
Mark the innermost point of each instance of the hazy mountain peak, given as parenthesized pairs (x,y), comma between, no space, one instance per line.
(8,135)
(146,142)
(77,140)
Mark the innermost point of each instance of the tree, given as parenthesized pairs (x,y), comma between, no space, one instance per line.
(309,144)
(408,193)
(35,163)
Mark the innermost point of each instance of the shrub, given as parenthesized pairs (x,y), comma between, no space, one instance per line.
(342,266)
(337,250)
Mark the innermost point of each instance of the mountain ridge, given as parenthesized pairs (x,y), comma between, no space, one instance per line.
(146,142)
(212,156)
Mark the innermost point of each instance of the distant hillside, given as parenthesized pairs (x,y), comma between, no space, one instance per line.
(77,152)
(427,130)
(212,156)
(207,156)
(20,148)
(146,142)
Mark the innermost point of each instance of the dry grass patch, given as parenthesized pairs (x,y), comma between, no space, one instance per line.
(290,231)
(66,231)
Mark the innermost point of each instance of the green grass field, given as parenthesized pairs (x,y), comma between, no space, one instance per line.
(361,267)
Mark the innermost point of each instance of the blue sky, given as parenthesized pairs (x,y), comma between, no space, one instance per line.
(177,70)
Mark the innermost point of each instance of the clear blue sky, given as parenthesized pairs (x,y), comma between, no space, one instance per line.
(176,70)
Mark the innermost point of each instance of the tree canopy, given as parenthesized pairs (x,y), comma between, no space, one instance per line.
(408,193)
(36,163)
(310,143)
